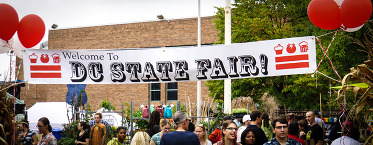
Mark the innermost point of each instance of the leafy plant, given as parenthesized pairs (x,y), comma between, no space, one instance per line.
(219,115)
(106,104)
(69,133)
(239,110)
(141,124)
(6,116)
(182,108)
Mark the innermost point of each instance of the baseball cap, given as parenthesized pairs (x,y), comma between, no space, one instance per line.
(246,118)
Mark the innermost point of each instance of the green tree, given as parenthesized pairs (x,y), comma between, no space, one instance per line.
(107,105)
(255,20)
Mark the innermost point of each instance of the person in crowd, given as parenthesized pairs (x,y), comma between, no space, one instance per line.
(314,133)
(165,127)
(347,138)
(302,128)
(291,117)
(256,120)
(248,137)
(121,137)
(200,130)
(246,120)
(93,122)
(266,126)
(45,128)
(229,130)
(281,131)
(27,136)
(98,131)
(238,122)
(320,122)
(293,132)
(191,126)
(83,135)
(153,126)
(216,135)
(336,130)
(180,136)
(140,138)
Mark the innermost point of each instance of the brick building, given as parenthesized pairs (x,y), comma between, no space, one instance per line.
(162,33)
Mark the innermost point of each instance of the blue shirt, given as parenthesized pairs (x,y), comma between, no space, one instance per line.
(288,142)
(179,138)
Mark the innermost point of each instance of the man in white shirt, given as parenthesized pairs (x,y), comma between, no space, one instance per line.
(246,120)
(346,139)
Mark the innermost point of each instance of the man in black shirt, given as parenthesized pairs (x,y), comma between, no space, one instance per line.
(314,133)
(256,120)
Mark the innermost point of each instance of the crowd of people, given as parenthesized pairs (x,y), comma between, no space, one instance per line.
(255,129)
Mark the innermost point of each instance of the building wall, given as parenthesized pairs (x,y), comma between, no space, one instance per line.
(161,33)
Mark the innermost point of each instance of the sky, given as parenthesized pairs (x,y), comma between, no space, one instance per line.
(85,13)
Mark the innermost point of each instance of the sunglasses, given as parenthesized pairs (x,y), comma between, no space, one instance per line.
(232,128)
(39,126)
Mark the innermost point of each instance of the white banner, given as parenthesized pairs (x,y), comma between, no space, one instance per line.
(7,67)
(123,66)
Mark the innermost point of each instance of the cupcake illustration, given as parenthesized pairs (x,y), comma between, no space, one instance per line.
(33,58)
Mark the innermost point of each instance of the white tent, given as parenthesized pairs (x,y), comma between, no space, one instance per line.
(112,118)
(56,112)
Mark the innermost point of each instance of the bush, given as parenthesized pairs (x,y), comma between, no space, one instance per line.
(69,133)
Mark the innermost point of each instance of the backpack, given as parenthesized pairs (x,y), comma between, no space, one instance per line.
(145,112)
(160,109)
(167,112)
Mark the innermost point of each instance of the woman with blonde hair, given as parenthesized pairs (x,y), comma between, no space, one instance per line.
(229,131)
(200,130)
(165,127)
(140,138)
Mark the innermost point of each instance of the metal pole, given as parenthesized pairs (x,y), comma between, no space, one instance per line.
(227,82)
(199,86)
(178,106)
(248,108)
(208,116)
(122,113)
(131,120)
(86,111)
(149,110)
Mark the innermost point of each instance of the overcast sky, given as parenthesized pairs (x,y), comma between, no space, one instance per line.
(85,13)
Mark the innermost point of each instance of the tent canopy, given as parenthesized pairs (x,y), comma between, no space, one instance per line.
(56,112)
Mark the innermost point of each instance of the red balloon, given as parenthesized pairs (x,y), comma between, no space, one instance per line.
(31,30)
(324,14)
(8,21)
(355,13)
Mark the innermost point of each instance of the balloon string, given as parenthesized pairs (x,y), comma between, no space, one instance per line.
(325,54)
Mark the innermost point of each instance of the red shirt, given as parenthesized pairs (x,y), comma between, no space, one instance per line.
(215,136)
(301,141)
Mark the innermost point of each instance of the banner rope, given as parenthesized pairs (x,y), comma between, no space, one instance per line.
(325,54)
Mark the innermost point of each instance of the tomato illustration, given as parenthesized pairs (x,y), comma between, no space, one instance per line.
(44,58)
(291,48)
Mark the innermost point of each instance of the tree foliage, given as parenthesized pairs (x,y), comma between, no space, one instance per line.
(256,20)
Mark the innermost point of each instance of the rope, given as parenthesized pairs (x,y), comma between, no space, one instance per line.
(325,54)
(327,76)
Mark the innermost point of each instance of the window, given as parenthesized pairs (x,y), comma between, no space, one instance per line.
(155,92)
(171,91)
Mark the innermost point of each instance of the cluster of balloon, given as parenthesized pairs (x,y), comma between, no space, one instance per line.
(351,15)
(31,28)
